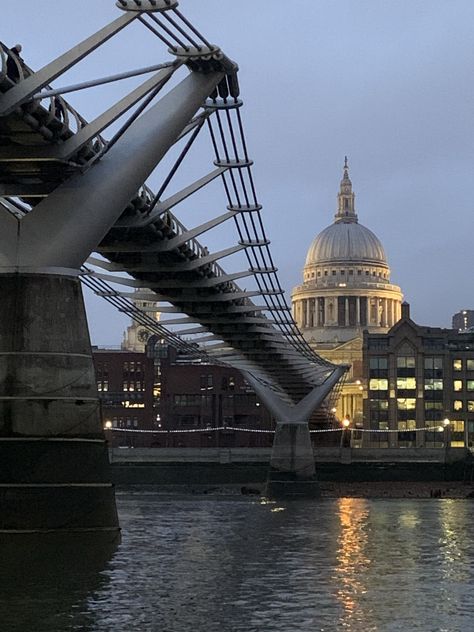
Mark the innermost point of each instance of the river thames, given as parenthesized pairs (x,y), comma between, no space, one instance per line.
(235,564)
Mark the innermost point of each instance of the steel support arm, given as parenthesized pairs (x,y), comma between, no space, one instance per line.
(67,226)
(33,84)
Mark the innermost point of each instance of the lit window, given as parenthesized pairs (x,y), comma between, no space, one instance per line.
(377,384)
(406,403)
(406,382)
(125,386)
(457,425)
(470,365)
(470,385)
(457,385)
(433,384)
(409,424)
(457,364)
(470,405)
(457,404)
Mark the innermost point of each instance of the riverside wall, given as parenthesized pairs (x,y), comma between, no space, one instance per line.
(249,466)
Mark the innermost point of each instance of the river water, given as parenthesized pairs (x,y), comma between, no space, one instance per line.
(235,564)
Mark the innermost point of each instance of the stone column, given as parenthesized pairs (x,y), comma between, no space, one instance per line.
(346,311)
(357,310)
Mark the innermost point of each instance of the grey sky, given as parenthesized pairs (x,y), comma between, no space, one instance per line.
(389,83)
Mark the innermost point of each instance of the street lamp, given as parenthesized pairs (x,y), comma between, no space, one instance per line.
(345,436)
(108,425)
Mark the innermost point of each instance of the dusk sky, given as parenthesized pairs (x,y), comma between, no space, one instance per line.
(386,82)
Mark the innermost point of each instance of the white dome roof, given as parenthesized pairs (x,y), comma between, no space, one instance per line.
(346,242)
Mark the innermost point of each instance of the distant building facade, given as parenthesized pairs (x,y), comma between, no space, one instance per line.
(346,289)
(179,400)
(463,320)
(199,396)
(125,383)
(418,377)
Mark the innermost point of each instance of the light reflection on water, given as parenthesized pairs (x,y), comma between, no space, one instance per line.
(208,564)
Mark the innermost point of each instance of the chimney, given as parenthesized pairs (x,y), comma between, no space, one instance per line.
(405,310)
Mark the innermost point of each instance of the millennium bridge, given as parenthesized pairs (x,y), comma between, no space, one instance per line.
(76,209)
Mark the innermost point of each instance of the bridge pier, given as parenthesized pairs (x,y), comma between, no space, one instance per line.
(54,472)
(292,471)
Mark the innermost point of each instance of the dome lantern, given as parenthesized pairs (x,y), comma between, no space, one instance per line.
(346,199)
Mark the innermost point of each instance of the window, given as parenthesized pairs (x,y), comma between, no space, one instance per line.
(343,272)
(378,404)
(359,272)
(406,403)
(434,363)
(366,273)
(457,365)
(457,385)
(351,272)
(333,273)
(378,363)
(433,405)
(408,383)
(470,385)
(408,424)
(433,384)
(406,362)
(378,384)
(325,272)
(470,405)
(470,365)
(457,404)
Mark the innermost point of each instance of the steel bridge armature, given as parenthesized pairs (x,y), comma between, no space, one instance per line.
(68,191)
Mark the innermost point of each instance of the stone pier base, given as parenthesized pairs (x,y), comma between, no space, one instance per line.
(292,470)
(54,473)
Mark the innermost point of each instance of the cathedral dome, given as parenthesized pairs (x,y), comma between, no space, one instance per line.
(345,242)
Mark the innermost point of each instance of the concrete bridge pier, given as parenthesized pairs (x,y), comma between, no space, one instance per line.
(292,470)
(54,466)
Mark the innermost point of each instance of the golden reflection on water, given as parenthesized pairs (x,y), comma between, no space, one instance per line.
(454,529)
(352,560)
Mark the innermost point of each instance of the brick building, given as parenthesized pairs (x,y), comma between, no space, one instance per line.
(125,383)
(161,390)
